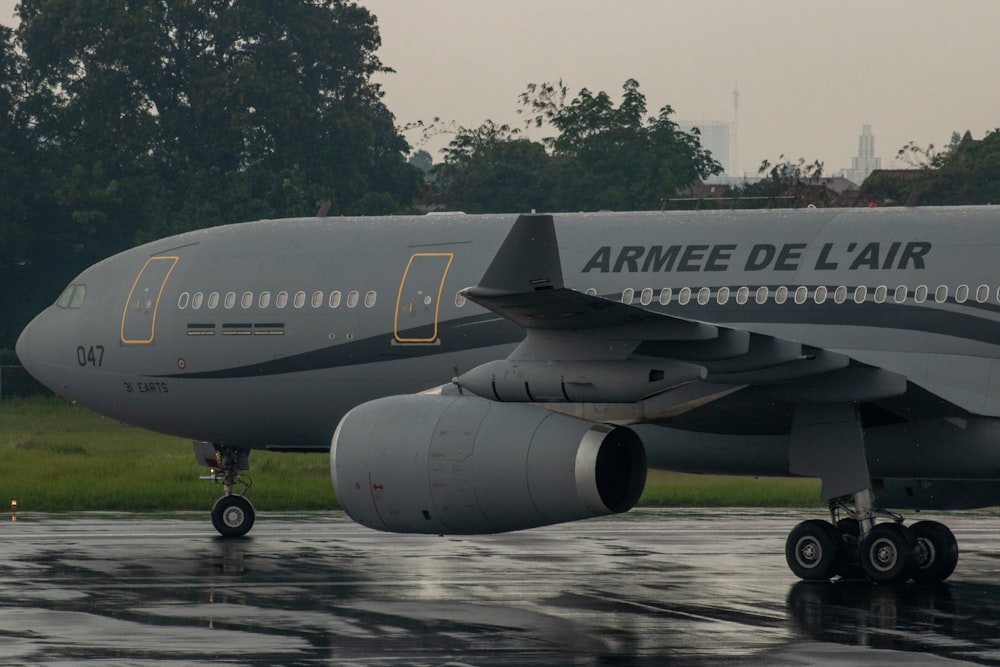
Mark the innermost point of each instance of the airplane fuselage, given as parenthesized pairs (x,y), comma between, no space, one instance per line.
(176,335)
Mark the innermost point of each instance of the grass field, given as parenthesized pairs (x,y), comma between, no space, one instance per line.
(55,457)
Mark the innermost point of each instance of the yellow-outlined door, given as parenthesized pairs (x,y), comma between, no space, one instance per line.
(418,304)
(139,316)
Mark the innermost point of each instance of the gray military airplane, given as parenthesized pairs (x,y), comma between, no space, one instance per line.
(477,374)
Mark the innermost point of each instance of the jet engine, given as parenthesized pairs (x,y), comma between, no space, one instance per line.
(467,465)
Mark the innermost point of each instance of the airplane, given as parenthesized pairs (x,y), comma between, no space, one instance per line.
(485,373)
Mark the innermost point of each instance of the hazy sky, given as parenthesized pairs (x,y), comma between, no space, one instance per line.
(809,73)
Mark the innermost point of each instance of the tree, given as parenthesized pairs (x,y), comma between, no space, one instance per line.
(16,157)
(609,157)
(966,172)
(493,169)
(423,161)
(969,175)
(782,178)
(180,114)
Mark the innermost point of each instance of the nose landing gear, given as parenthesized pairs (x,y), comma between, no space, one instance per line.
(232,514)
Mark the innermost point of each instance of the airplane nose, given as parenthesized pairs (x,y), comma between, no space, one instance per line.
(30,350)
(23,347)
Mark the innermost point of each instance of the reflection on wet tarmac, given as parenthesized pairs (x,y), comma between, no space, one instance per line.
(649,588)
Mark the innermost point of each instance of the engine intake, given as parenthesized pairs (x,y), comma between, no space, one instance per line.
(466,465)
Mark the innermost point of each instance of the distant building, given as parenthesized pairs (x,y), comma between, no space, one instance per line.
(715,138)
(865,162)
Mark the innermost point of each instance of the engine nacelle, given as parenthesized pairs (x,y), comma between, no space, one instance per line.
(466,465)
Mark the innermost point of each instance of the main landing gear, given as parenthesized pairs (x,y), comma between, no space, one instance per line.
(853,545)
(232,514)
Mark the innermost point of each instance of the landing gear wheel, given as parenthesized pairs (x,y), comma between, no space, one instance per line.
(232,516)
(886,553)
(936,552)
(813,550)
(850,533)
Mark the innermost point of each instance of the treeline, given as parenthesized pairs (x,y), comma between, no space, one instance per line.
(967,171)
(123,121)
(603,157)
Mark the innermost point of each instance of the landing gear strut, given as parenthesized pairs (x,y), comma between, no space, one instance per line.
(232,514)
(853,544)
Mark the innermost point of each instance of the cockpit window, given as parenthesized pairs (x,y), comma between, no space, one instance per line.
(72,297)
(79,295)
(64,298)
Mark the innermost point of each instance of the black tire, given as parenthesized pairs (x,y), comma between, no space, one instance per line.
(886,552)
(935,554)
(850,534)
(232,516)
(813,550)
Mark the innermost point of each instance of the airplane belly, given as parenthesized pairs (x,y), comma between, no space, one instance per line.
(930,449)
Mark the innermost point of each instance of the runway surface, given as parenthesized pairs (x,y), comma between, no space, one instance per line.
(678,587)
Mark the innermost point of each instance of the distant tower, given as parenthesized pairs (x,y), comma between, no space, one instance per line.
(734,162)
(866,162)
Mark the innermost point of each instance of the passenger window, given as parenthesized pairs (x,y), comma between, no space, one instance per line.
(213,300)
(860,294)
(819,296)
(941,293)
(722,296)
(781,295)
(300,299)
(335,299)
(900,295)
(591,291)
(742,294)
(684,296)
(962,294)
(352,299)
(646,297)
(801,294)
(281,300)
(264,300)
(317,299)
(704,296)
(247,300)
(840,294)
(182,301)
(920,294)
(983,293)
(197,300)
(628,295)
(460,299)
(370,299)
(665,295)
(230,300)
(881,292)
(762,294)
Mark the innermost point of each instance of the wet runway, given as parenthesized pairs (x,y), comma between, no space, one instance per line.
(677,587)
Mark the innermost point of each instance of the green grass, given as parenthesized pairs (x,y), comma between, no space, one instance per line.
(674,489)
(56,457)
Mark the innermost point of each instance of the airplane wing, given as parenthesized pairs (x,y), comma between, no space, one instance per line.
(625,364)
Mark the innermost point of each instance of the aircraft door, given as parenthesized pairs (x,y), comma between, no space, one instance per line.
(419,302)
(139,316)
